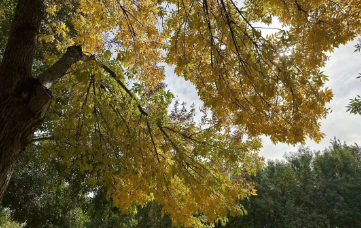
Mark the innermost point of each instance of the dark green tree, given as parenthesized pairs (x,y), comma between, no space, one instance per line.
(307,190)
(41,194)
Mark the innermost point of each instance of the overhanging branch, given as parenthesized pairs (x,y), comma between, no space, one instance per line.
(51,137)
(113,75)
(59,69)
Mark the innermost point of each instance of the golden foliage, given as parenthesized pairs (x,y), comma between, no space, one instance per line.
(129,140)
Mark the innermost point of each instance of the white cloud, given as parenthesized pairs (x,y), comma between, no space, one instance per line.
(184,90)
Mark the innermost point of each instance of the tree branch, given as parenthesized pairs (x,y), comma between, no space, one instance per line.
(73,54)
(113,75)
(42,139)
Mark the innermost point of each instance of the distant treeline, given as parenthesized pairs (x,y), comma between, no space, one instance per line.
(307,189)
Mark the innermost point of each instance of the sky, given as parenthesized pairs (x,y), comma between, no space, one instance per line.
(343,67)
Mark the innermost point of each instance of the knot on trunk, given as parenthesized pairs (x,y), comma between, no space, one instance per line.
(74,51)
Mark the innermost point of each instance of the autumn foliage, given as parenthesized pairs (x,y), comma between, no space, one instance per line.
(113,119)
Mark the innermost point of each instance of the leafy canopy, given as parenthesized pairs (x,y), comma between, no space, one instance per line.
(112,117)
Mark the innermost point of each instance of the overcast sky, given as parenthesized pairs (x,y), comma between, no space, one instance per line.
(342,68)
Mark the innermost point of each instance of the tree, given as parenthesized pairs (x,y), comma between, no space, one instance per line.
(41,194)
(64,74)
(307,190)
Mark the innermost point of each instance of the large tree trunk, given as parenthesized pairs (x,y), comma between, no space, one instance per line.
(20,114)
(24,100)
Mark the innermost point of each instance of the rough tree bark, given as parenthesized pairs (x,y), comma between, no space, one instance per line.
(25,100)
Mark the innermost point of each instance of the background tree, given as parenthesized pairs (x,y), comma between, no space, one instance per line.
(307,190)
(41,194)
